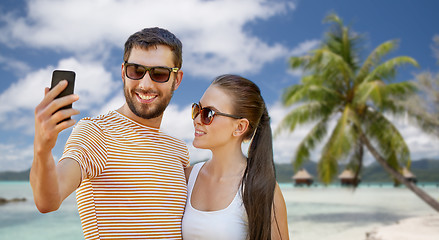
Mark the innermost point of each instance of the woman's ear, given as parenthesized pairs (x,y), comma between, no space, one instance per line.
(241,127)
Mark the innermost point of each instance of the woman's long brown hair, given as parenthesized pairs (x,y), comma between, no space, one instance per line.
(259,180)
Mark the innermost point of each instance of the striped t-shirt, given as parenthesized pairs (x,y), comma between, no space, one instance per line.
(133,185)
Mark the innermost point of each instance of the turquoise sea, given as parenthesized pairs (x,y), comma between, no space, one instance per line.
(330,213)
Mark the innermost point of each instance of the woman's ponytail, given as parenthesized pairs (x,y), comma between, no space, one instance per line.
(260,181)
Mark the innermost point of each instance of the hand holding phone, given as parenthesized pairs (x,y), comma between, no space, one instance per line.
(59,75)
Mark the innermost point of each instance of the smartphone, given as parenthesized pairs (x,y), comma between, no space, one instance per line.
(59,75)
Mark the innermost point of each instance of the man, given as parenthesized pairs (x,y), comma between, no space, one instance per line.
(129,175)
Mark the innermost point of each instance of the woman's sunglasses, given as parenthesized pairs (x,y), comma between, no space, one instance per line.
(157,74)
(207,114)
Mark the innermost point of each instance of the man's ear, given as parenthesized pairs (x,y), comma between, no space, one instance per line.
(241,127)
(178,79)
(122,73)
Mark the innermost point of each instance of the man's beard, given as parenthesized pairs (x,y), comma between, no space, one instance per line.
(148,111)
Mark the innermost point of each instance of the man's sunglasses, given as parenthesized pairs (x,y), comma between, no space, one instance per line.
(157,74)
(207,114)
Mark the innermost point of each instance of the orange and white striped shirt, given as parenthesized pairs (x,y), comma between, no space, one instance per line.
(134,185)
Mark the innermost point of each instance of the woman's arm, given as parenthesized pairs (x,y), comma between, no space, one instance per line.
(279,223)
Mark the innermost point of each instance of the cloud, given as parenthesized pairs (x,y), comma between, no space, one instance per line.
(15,158)
(15,66)
(305,47)
(177,122)
(213,33)
(421,144)
(114,103)
(94,85)
(284,143)
(86,33)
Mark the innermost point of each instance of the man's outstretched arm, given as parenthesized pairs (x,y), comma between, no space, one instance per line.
(52,183)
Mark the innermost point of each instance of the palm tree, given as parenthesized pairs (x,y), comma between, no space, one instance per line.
(358,97)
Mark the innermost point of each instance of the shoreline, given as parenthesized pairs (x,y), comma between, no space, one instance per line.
(420,228)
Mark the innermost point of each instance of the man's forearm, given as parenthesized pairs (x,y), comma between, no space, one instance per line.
(44,182)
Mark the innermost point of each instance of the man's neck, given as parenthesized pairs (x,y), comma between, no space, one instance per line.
(153,122)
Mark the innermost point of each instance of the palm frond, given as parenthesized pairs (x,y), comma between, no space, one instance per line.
(414,112)
(309,143)
(427,122)
(368,91)
(400,90)
(386,136)
(327,169)
(337,147)
(332,17)
(374,58)
(387,70)
(293,94)
(423,107)
(341,40)
(393,162)
(391,97)
(329,64)
(308,92)
(297,62)
(383,96)
(306,113)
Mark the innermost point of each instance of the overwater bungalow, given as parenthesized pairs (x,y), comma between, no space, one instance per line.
(347,178)
(302,177)
(409,176)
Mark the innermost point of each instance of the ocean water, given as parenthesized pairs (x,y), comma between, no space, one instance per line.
(330,213)
(22,220)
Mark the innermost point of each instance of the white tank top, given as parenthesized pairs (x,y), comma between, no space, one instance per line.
(228,224)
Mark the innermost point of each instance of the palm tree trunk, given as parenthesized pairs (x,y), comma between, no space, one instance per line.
(421,194)
(360,162)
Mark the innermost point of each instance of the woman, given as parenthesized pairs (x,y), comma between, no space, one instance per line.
(233,196)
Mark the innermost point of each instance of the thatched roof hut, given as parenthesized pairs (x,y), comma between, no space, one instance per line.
(347,177)
(409,176)
(303,177)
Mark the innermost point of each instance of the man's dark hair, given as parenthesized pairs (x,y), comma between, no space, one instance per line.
(152,37)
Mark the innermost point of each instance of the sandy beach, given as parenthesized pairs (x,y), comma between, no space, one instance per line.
(367,213)
(416,228)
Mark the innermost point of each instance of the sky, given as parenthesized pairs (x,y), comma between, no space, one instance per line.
(252,38)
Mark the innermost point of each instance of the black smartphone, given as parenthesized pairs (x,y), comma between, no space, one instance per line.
(59,75)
